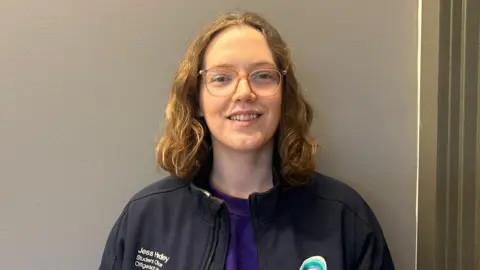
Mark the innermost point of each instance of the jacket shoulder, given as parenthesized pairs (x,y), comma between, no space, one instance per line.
(369,242)
(167,185)
(327,188)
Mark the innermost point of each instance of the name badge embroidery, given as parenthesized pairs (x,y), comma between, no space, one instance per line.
(150,259)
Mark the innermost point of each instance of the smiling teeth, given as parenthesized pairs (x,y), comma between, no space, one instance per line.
(244,117)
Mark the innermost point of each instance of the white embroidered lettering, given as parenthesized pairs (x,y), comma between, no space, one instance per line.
(162,257)
(145,266)
(158,263)
(150,260)
(145,252)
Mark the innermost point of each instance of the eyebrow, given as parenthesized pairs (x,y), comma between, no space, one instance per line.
(250,66)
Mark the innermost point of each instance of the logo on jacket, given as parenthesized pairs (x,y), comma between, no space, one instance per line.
(314,263)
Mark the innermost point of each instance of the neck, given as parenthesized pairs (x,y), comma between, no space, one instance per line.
(240,174)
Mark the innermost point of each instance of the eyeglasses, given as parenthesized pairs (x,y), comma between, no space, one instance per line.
(223,81)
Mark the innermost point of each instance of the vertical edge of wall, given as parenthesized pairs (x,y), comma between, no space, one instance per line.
(427,170)
(449,143)
(477,205)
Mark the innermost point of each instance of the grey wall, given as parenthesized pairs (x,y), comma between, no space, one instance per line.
(83,85)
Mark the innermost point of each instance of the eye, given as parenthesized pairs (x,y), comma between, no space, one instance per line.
(219,78)
(265,76)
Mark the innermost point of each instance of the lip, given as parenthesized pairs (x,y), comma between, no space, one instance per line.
(245,123)
(244,112)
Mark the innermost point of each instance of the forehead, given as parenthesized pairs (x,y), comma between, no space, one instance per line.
(240,47)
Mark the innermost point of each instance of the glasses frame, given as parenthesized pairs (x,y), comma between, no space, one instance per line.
(242,76)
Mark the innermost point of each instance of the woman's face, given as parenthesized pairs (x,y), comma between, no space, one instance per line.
(242,120)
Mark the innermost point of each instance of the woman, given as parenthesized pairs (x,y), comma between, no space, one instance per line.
(243,191)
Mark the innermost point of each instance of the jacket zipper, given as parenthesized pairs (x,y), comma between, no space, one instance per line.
(213,244)
(255,233)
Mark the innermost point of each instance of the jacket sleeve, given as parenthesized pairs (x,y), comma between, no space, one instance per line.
(112,258)
(372,252)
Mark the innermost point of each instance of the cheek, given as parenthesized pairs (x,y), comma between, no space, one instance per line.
(212,108)
(205,102)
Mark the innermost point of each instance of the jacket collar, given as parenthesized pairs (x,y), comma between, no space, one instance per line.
(263,206)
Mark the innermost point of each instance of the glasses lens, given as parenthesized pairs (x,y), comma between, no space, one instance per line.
(220,81)
(265,82)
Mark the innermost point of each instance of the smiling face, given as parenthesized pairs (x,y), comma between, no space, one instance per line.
(242,120)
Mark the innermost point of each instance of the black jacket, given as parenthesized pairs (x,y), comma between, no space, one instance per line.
(175,224)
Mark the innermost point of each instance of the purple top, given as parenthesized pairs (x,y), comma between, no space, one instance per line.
(242,251)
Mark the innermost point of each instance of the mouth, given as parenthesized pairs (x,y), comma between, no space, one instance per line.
(244,117)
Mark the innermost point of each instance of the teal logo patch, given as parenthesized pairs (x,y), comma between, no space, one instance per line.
(314,263)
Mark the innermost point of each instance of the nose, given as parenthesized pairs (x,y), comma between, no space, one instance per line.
(243,90)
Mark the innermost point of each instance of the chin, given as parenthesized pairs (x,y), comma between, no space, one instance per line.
(248,145)
(243,143)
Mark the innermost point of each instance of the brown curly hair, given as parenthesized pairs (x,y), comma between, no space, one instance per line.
(186,142)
